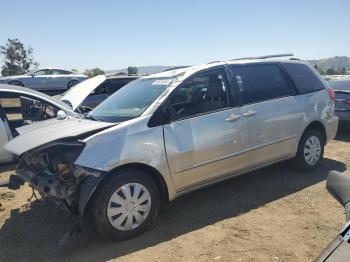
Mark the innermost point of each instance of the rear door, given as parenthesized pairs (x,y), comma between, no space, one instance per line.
(273,115)
(206,131)
(58,79)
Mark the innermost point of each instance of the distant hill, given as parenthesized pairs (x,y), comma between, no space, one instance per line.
(337,62)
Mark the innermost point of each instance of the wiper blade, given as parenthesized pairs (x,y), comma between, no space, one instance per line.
(90,117)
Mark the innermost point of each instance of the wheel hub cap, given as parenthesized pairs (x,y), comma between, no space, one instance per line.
(129,206)
(312,150)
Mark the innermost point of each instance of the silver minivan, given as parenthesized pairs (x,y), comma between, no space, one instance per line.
(169,133)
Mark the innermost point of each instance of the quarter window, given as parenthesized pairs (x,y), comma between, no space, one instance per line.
(200,94)
(304,78)
(258,83)
(60,72)
(42,72)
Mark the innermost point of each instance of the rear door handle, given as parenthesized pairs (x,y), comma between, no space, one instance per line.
(233,118)
(249,113)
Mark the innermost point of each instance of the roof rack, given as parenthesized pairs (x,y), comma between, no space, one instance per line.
(262,57)
(175,67)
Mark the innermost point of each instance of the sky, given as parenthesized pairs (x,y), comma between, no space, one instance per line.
(83,34)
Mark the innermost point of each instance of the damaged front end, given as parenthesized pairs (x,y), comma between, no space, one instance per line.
(51,171)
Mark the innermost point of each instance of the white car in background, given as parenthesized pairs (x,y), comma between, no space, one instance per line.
(36,106)
(46,80)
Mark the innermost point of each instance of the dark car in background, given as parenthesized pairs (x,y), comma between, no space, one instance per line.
(105,89)
(342,102)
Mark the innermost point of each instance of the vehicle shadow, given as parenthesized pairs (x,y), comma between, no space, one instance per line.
(34,232)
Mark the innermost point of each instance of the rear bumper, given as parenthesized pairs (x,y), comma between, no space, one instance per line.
(331,126)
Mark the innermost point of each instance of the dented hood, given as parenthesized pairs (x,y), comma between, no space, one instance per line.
(41,133)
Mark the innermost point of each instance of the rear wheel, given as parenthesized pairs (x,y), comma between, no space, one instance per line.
(126,205)
(310,150)
(72,83)
(16,83)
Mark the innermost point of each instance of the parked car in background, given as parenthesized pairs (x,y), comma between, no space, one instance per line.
(51,81)
(36,106)
(342,101)
(167,134)
(104,90)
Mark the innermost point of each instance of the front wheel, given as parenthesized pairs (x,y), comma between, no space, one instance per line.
(16,83)
(310,150)
(126,204)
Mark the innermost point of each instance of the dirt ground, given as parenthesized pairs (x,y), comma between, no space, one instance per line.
(273,214)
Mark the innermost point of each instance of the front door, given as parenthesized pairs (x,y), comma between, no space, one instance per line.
(39,80)
(206,132)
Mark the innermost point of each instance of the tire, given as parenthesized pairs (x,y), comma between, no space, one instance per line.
(109,200)
(16,83)
(310,151)
(72,83)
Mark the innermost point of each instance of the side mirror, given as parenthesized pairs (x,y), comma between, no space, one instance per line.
(61,115)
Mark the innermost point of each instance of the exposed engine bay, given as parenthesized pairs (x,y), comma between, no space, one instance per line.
(51,171)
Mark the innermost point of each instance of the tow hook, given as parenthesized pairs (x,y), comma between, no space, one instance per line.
(15,182)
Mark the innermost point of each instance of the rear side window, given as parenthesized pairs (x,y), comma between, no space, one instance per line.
(304,78)
(261,82)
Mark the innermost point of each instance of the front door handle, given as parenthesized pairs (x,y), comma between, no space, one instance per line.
(233,117)
(249,113)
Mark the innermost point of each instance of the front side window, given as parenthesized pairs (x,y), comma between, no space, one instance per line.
(260,82)
(199,94)
(304,78)
(131,100)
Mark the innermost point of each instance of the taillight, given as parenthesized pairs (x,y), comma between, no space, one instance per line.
(347,102)
(331,93)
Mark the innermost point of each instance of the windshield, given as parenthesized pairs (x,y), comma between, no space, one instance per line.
(131,100)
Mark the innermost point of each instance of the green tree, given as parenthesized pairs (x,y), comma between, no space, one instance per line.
(93,72)
(18,59)
(330,71)
(132,70)
(319,69)
(343,71)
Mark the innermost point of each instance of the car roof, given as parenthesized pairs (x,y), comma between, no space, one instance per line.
(185,71)
(340,85)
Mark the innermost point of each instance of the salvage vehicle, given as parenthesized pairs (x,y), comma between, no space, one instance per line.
(46,80)
(170,133)
(338,185)
(36,106)
(342,101)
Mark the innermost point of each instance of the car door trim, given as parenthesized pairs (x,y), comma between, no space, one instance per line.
(233,154)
